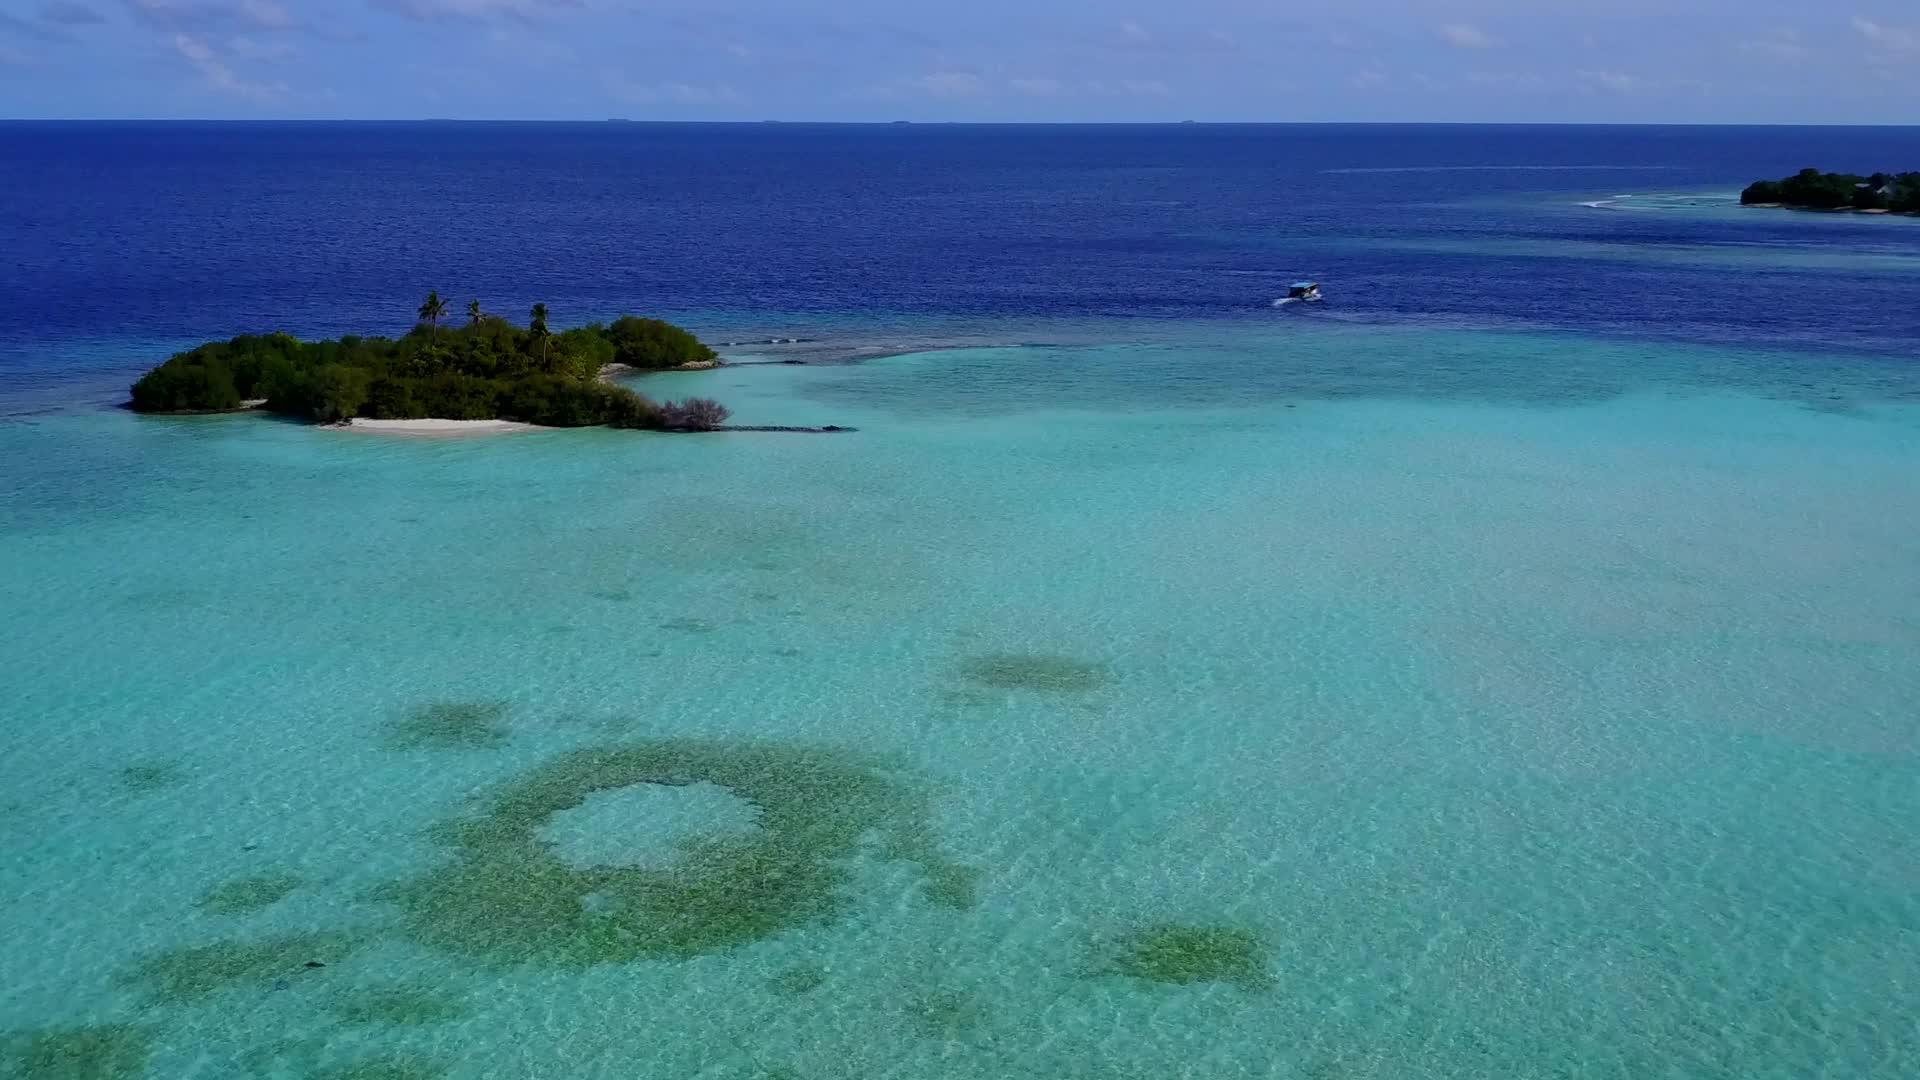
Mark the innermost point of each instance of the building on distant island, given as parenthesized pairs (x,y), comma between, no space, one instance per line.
(1811,189)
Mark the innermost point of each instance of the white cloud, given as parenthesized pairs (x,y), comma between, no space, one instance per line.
(1896,39)
(213,68)
(1509,80)
(1779,45)
(14,24)
(265,14)
(1369,79)
(1614,82)
(523,10)
(1133,31)
(165,12)
(869,92)
(530,48)
(192,48)
(1463,36)
(1128,88)
(193,14)
(247,48)
(670,93)
(70,13)
(952,84)
(1036,87)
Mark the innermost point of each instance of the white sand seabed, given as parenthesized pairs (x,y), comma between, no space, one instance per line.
(434,428)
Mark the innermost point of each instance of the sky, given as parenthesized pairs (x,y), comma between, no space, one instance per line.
(1576,61)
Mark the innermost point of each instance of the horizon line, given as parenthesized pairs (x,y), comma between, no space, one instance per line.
(621,120)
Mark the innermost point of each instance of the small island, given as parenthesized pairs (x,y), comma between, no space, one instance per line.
(1811,189)
(485,369)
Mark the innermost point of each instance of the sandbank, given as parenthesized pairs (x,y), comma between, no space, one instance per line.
(434,428)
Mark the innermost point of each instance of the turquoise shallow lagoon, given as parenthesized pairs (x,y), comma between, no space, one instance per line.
(1556,720)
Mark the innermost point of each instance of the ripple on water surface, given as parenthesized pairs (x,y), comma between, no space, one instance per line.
(1372,738)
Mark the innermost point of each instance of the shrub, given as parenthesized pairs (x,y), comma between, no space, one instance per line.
(556,401)
(693,414)
(1813,189)
(391,399)
(1824,191)
(327,394)
(650,343)
(580,353)
(483,370)
(1808,188)
(1905,196)
(629,410)
(186,387)
(459,397)
(337,393)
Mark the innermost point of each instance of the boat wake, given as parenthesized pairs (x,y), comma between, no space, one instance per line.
(1285,300)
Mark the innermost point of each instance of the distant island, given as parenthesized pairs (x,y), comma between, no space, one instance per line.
(486,369)
(1811,189)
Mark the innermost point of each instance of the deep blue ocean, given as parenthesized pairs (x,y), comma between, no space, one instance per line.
(118,234)
(1509,667)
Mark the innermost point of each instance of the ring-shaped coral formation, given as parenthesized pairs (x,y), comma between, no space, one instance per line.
(508,897)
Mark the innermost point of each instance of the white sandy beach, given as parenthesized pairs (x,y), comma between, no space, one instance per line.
(434,428)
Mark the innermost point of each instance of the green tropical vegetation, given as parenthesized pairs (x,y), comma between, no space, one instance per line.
(1811,189)
(488,369)
(431,310)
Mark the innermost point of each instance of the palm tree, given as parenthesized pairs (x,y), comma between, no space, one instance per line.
(474,315)
(538,327)
(431,310)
